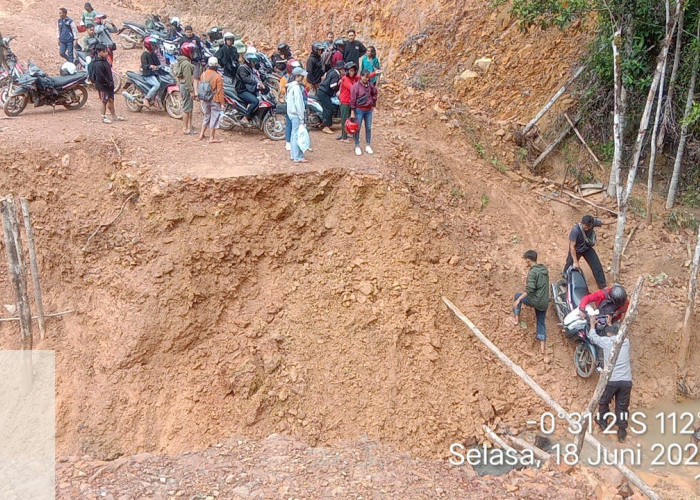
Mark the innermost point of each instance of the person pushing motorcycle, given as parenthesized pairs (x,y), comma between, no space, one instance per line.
(582,240)
(611,303)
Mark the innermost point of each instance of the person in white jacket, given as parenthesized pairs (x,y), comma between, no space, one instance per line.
(296,111)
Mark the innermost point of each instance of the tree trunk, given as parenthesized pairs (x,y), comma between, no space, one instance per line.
(671,198)
(668,103)
(692,287)
(618,117)
(624,196)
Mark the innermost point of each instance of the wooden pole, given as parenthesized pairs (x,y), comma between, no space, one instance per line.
(589,202)
(551,147)
(10,229)
(494,437)
(693,285)
(551,102)
(583,141)
(609,364)
(521,443)
(49,315)
(34,267)
(634,479)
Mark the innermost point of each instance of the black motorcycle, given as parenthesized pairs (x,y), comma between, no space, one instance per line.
(36,87)
(131,34)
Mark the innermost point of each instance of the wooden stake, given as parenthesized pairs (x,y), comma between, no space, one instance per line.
(634,479)
(550,148)
(583,141)
(494,437)
(610,363)
(629,238)
(34,267)
(589,202)
(10,229)
(551,102)
(521,443)
(693,285)
(49,315)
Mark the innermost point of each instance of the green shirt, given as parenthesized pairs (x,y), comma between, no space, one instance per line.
(537,287)
(184,71)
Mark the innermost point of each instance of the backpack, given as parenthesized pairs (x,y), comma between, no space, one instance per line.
(204,92)
(326,57)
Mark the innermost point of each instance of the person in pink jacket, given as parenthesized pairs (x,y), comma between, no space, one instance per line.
(363,99)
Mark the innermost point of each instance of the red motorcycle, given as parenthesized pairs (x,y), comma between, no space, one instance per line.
(167,98)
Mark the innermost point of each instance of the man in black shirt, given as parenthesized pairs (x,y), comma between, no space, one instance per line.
(328,88)
(149,69)
(198,58)
(314,66)
(104,83)
(582,239)
(354,49)
(228,57)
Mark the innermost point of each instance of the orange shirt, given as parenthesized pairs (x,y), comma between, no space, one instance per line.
(217,85)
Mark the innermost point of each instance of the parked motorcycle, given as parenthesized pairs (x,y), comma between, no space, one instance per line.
(567,295)
(168,95)
(9,76)
(82,59)
(36,87)
(314,111)
(131,34)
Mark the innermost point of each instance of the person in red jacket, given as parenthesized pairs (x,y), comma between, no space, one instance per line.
(351,77)
(611,302)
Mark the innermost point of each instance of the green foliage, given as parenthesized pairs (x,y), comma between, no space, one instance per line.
(479,148)
(493,4)
(605,150)
(457,194)
(691,196)
(497,163)
(484,201)
(638,207)
(681,219)
(547,13)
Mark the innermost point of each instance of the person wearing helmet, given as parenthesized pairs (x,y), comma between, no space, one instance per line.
(103,28)
(101,70)
(329,88)
(88,15)
(197,59)
(296,111)
(350,78)
(175,21)
(279,59)
(582,239)
(248,83)
(149,68)
(184,71)
(619,385)
(363,99)
(213,108)
(314,66)
(228,57)
(89,41)
(67,34)
(611,303)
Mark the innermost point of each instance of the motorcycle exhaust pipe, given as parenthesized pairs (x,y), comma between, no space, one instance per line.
(131,39)
(128,96)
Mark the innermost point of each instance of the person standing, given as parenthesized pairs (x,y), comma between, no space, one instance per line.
(329,88)
(183,71)
(282,98)
(620,384)
(370,62)
(314,66)
(104,84)
(296,111)
(149,67)
(354,49)
(89,41)
(213,108)
(227,56)
(67,34)
(103,28)
(349,79)
(582,239)
(88,14)
(536,295)
(363,99)
(197,60)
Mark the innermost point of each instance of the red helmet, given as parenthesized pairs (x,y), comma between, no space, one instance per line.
(291,64)
(149,43)
(188,49)
(351,126)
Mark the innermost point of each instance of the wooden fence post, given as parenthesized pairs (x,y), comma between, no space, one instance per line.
(34,267)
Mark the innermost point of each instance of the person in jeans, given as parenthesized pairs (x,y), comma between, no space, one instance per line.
(212,109)
(536,295)
(350,78)
(363,99)
(296,108)
(582,239)
(248,83)
(67,34)
(184,71)
(149,67)
(329,87)
(104,84)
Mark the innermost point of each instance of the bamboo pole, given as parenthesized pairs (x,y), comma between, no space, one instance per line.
(583,141)
(10,229)
(550,148)
(551,102)
(693,284)
(609,364)
(496,439)
(34,267)
(521,443)
(634,479)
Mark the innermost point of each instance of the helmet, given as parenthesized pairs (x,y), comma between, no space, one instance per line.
(175,21)
(188,49)
(251,55)
(350,64)
(100,17)
(291,64)
(68,68)
(338,42)
(618,295)
(230,35)
(351,126)
(317,46)
(150,42)
(283,47)
(212,62)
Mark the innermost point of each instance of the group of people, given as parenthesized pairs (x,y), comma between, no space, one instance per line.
(98,30)
(609,303)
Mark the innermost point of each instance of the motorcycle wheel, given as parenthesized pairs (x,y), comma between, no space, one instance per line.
(133,106)
(273,126)
(15,105)
(313,120)
(81,97)
(4,94)
(226,124)
(117,81)
(559,299)
(173,105)
(128,44)
(584,359)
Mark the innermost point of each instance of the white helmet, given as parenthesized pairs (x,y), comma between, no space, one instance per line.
(212,62)
(228,34)
(251,50)
(175,21)
(68,68)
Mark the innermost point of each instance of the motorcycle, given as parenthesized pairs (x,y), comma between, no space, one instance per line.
(36,87)
(9,76)
(168,95)
(265,118)
(314,111)
(567,295)
(82,59)
(131,34)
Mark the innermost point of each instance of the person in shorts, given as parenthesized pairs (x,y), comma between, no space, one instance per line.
(104,83)
(213,108)
(184,71)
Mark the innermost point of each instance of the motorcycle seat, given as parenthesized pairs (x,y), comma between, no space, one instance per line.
(62,81)
(136,25)
(577,286)
(136,78)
